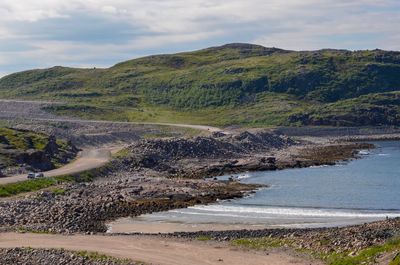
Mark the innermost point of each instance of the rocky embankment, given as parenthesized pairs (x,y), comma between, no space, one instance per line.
(55,256)
(86,207)
(207,156)
(322,240)
(223,154)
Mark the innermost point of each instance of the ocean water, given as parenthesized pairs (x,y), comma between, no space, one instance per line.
(358,191)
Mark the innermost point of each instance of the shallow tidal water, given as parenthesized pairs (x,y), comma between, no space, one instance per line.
(358,191)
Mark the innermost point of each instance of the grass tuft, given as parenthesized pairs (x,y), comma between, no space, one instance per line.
(260,243)
(204,238)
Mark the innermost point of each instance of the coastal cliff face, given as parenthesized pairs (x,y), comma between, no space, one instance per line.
(22,151)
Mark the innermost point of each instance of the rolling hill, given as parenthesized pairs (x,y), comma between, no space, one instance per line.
(232,84)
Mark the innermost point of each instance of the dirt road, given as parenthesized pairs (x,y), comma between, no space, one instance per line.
(32,110)
(152,250)
(87,159)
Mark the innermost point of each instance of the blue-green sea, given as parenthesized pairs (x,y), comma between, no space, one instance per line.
(361,190)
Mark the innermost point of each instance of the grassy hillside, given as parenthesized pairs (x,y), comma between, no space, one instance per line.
(231,84)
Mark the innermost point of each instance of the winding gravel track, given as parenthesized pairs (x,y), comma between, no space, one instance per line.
(87,159)
(152,250)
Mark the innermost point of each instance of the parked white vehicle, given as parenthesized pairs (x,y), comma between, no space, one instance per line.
(35,175)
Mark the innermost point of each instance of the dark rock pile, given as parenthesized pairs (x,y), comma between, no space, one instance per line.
(206,156)
(179,148)
(211,147)
(54,256)
(260,141)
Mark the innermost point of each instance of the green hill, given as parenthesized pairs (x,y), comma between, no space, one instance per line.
(231,84)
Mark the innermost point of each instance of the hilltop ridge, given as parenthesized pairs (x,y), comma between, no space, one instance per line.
(270,86)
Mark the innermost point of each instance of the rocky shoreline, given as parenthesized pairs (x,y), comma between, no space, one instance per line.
(324,240)
(155,175)
(57,256)
(85,207)
(163,174)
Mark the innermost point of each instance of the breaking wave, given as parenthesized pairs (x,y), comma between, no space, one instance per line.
(268,212)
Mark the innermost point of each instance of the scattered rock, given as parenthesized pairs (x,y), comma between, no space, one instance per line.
(54,256)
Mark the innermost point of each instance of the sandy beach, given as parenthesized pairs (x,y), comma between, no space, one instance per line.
(153,250)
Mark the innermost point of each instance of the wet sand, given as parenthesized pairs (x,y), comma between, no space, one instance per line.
(143,225)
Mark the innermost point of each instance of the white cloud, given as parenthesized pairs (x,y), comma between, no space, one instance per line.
(109,9)
(29,10)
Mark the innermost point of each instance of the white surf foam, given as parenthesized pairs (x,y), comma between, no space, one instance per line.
(223,210)
(364,152)
(244,176)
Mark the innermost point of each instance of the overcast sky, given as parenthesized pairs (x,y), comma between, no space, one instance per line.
(88,33)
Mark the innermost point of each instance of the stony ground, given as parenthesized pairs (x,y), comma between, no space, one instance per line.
(23,256)
(133,185)
(28,115)
(323,240)
(86,207)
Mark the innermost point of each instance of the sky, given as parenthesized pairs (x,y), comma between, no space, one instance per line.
(100,33)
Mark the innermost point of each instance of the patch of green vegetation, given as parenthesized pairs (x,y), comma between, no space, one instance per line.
(34,231)
(12,189)
(366,256)
(22,140)
(122,153)
(95,256)
(260,243)
(396,260)
(232,84)
(86,176)
(375,108)
(204,238)
(57,191)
